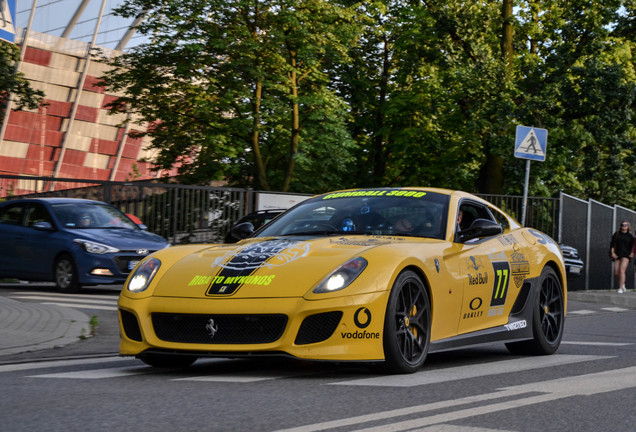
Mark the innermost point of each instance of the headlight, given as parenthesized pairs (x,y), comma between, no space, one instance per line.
(94,247)
(342,277)
(143,274)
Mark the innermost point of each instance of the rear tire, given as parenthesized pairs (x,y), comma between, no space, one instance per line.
(547,318)
(407,325)
(65,274)
(167,360)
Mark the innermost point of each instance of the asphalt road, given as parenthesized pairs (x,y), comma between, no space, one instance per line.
(589,385)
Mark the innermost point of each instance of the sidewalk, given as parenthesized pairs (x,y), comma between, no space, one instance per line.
(27,326)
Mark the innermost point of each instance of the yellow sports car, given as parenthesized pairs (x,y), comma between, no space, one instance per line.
(379,275)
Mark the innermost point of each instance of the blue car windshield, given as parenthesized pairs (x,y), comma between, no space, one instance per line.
(400,212)
(88,215)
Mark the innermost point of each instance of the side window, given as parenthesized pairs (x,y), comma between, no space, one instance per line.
(37,213)
(12,215)
(469,211)
(501,219)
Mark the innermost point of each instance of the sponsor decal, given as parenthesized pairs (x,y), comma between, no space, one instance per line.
(239,266)
(474,263)
(270,253)
(507,240)
(371,193)
(360,335)
(502,281)
(362,319)
(478,279)
(495,311)
(199,280)
(366,319)
(517,325)
(543,238)
(363,242)
(520,268)
(474,305)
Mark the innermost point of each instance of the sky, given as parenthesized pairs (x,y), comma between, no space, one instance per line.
(53,16)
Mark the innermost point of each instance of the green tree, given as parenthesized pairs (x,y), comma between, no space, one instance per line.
(451,79)
(14,82)
(238,89)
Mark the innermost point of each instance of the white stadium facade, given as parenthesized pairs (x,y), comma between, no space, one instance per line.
(71,136)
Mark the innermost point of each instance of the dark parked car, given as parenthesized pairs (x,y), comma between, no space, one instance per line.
(72,242)
(573,263)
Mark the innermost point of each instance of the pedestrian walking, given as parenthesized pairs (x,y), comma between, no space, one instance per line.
(621,252)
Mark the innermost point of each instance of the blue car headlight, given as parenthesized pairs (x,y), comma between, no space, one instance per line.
(342,276)
(94,247)
(142,275)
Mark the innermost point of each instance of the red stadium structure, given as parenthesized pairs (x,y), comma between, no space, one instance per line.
(72,136)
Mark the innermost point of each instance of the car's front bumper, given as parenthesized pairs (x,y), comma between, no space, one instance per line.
(232,327)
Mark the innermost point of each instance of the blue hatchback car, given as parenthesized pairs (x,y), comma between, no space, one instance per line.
(71,242)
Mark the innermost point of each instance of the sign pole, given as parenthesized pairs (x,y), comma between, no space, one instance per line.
(531,144)
(525,194)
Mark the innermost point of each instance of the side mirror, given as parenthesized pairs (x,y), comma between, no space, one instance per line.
(480,228)
(142,227)
(43,226)
(241,231)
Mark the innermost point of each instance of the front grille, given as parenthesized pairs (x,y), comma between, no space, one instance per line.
(317,328)
(122,261)
(130,325)
(219,329)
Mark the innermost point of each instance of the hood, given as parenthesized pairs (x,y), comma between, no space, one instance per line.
(263,267)
(123,239)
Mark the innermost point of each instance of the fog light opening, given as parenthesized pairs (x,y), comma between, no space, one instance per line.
(101,272)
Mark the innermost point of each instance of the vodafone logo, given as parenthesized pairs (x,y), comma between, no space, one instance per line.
(362,318)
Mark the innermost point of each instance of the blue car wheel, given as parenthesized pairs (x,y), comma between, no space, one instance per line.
(65,274)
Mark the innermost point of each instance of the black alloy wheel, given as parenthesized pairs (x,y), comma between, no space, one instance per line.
(407,325)
(548,318)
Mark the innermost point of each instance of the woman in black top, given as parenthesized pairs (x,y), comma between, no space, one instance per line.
(622,251)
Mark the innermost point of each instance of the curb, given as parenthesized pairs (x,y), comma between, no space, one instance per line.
(33,326)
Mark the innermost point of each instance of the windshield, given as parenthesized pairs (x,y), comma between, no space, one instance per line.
(87,215)
(371,212)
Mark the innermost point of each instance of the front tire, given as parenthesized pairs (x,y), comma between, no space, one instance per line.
(65,274)
(548,318)
(407,325)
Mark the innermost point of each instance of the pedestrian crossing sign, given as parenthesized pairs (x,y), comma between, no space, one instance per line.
(7,20)
(531,143)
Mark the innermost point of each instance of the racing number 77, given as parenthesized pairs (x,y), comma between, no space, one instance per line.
(502,280)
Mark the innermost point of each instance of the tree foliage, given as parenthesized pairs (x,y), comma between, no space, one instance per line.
(14,82)
(310,95)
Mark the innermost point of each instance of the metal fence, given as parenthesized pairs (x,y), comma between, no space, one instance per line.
(179,213)
(204,214)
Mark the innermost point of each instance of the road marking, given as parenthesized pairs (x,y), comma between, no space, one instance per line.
(457,428)
(428,376)
(68,299)
(614,344)
(65,295)
(615,309)
(82,306)
(511,398)
(57,363)
(248,377)
(78,301)
(581,312)
(100,373)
